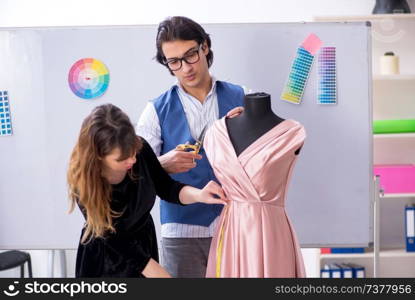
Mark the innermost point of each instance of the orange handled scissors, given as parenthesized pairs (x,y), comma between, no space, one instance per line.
(195,148)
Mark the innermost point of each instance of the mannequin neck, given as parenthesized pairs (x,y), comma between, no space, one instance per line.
(257,106)
(256,119)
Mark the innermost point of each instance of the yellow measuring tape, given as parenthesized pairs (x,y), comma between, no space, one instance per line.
(220,244)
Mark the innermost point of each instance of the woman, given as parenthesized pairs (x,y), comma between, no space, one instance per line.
(114,177)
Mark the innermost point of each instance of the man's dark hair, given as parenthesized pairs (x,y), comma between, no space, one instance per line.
(181,28)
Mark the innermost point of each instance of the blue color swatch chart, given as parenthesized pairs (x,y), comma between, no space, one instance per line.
(327,93)
(297,79)
(5,119)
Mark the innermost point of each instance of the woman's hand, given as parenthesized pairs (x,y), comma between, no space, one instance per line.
(208,193)
(154,270)
(234,112)
(212,193)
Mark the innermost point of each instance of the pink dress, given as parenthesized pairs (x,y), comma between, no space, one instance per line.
(255,237)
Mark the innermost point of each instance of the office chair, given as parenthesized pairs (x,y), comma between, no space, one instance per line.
(14,258)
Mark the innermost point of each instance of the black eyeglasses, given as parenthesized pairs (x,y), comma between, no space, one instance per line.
(191,57)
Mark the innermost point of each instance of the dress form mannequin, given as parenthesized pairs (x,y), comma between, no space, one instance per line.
(256,119)
(252,156)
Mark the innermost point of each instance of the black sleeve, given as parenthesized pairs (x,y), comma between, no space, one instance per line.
(166,188)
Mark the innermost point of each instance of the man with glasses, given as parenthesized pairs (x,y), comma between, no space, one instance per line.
(179,116)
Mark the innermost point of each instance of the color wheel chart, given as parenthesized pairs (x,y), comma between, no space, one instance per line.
(327,76)
(300,69)
(88,78)
(5,119)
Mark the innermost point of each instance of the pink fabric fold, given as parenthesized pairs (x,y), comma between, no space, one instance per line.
(255,237)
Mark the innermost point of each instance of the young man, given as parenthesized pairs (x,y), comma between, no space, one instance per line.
(179,116)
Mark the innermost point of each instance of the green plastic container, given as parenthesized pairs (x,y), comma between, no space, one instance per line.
(394,126)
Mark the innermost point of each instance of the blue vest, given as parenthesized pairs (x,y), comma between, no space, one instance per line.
(175,130)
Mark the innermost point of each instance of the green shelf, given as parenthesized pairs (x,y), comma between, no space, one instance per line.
(394,126)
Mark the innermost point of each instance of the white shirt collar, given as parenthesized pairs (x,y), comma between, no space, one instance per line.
(212,89)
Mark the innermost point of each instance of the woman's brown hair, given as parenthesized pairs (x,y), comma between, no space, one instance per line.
(106,128)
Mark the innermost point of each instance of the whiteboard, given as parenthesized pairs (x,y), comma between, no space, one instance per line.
(329,199)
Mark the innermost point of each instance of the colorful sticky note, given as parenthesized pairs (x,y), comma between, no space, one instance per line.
(312,44)
(327,90)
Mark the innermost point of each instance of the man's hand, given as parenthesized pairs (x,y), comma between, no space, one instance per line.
(234,112)
(177,161)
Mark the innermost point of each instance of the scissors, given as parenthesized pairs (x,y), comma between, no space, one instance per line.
(195,148)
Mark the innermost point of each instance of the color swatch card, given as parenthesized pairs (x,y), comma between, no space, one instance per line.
(88,78)
(327,91)
(300,70)
(5,119)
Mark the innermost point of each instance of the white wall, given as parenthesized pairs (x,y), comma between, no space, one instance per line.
(123,12)
(28,13)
